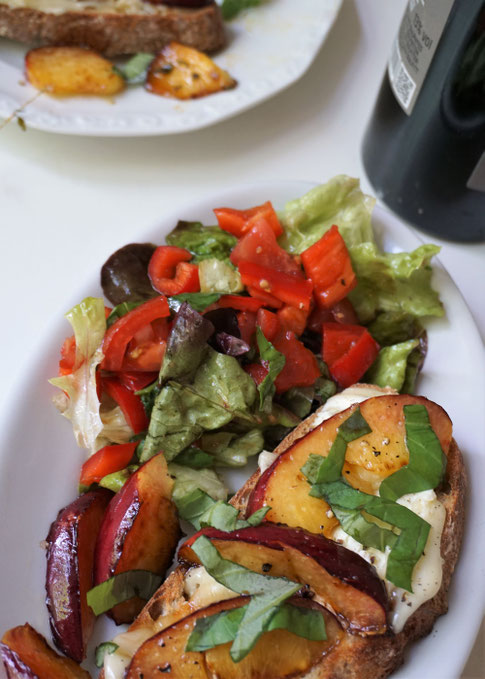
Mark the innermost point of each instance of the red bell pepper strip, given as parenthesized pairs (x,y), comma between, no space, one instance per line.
(327,262)
(239,222)
(239,302)
(349,351)
(134,381)
(264,297)
(129,403)
(293,319)
(259,245)
(170,272)
(289,289)
(257,371)
(269,323)
(105,461)
(247,325)
(123,330)
(301,367)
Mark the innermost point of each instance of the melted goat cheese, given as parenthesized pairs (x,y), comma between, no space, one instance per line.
(202,590)
(348,397)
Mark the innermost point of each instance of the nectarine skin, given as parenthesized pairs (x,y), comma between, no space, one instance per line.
(69,576)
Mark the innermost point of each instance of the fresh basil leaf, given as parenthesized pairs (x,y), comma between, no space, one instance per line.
(120,310)
(194,457)
(231,8)
(204,242)
(257,517)
(427,461)
(117,480)
(389,368)
(107,647)
(324,388)
(319,469)
(268,593)
(368,533)
(197,300)
(220,515)
(274,361)
(193,505)
(135,69)
(121,587)
(186,345)
(222,628)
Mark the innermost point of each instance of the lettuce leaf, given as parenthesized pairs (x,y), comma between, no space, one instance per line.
(389,368)
(216,275)
(204,242)
(81,405)
(188,480)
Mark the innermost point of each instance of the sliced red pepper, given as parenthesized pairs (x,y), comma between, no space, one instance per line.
(301,367)
(134,381)
(240,303)
(293,319)
(289,289)
(264,297)
(123,330)
(327,262)
(257,371)
(259,245)
(129,403)
(239,222)
(247,325)
(349,351)
(342,312)
(105,461)
(170,272)
(269,323)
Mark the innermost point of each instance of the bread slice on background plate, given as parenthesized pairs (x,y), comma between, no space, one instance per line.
(354,656)
(113,27)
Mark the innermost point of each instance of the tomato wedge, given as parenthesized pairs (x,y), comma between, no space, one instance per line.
(257,371)
(239,222)
(105,461)
(124,329)
(259,245)
(287,288)
(301,367)
(134,381)
(269,323)
(68,356)
(293,319)
(129,403)
(247,325)
(170,273)
(348,351)
(327,262)
(342,312)
(264,297)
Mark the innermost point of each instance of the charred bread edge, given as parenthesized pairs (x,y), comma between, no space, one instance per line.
(115,34)
(355,657)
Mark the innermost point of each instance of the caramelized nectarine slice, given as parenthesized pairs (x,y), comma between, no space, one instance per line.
(70,558)
(278,653)
(185,73)
(67,71)
(340,579)
(140,530)
(26,655)
(369,459)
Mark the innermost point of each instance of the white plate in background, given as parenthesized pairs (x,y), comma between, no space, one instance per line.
(269,48)
(39,460)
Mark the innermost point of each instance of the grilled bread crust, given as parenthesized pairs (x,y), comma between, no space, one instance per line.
(354,657)
(116,34)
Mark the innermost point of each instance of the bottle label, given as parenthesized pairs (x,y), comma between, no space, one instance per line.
(413,49)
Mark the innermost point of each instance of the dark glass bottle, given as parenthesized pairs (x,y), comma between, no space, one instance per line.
(428,163)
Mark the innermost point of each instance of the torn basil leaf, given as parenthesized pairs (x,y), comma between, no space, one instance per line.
(197,300)
(267,594)
(222,627)
(193,505)
(135,69)
(106,648)
(122,587)
(204,242)
(274,361)
(231,8)
(427,461)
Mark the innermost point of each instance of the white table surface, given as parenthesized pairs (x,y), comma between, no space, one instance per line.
(67,202)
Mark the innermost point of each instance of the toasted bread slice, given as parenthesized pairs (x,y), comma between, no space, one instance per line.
(112,27)
(354,657)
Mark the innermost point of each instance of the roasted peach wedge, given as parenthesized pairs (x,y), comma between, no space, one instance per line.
(68,71)
(26,655)
(278,653)
(185,73)
(339,579)
(140,530)
(369,460)
(70,559)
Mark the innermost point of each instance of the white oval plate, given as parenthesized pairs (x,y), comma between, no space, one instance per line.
(269,48)
(39,461)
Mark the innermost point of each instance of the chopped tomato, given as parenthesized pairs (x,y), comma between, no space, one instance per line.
(119,335)
(293,319)
(301,367)
(269,323)
(247,325)
(146,350)
(170,273)
(68,356)
(342,312)
(327,263)
(129,403)
(259,246)
(134,381)
(107,460)
(239,222)
(257,371)
(348,350)
(239,302)
(265,297)
(289,289)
